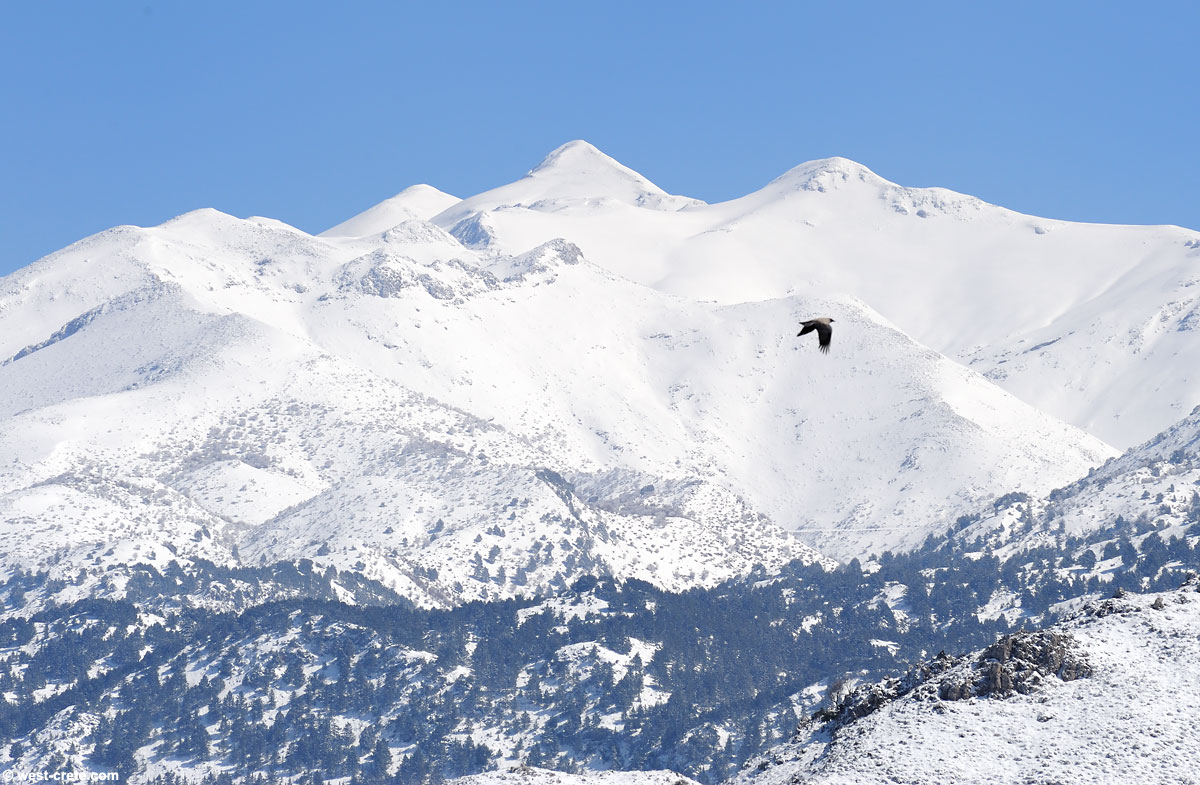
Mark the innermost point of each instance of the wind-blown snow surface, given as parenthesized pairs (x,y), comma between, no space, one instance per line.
(1132,720)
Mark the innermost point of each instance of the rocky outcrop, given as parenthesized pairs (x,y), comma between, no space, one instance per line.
(1015,664)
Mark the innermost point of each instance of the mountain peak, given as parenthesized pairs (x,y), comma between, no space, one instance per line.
(582,157)
(420,202)
(200,216)
(822,172)
(582,162)
(575,174)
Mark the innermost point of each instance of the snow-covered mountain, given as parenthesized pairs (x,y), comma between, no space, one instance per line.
(1110,696)
(1149,491)
(580,388)
(474,412)
(420,202)
(1091,323)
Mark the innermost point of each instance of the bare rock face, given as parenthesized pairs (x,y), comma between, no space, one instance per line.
(1115,604)
(1015,664)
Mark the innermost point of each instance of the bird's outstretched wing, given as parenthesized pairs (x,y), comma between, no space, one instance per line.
(824,336)
(824,332)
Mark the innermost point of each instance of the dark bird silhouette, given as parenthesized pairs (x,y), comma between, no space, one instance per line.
(824,331)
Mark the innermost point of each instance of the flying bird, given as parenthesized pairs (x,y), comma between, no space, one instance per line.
(824,331)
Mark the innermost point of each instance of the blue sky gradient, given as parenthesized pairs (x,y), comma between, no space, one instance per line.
(120,112)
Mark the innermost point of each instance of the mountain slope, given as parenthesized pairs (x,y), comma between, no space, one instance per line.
(420,202)
(1148,492)
(604,675)
(1110,696)
(459,422)
(573,176)
(1088,322)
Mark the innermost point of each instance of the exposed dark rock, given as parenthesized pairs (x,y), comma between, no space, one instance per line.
(867,699)
(1109,607)
(1015,664)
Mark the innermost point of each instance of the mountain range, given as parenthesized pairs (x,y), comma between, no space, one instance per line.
(576,371)
(492,481)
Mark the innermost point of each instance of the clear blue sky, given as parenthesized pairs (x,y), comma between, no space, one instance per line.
(115,112)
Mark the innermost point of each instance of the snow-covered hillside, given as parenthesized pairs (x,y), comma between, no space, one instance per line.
(456,420)
(1110,696)
(1152,489)
(1091,323)
(603,676)
(581,401)
(420,202)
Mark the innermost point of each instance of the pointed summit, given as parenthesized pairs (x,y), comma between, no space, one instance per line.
(583,157)
(604,177)
(573,175)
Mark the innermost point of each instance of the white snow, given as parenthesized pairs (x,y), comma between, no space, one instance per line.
(389,394)
(1133,720)
(420,202)
(1089,322)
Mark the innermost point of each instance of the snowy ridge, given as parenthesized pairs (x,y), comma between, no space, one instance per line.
(1076,320)
(575,176)
(580,400)
(1125,716)
(388,405)
(418,202)
(243,392)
